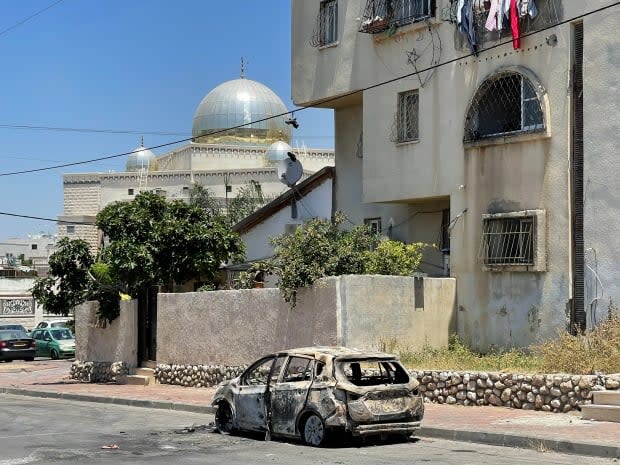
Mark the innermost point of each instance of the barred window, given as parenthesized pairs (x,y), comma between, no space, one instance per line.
(326,28)
(374,224)
(70,229)
(407,117)
(514,241)
(508,241)
(505,104)
(381,15)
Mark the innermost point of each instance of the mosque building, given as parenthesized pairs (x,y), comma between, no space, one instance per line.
(219,159)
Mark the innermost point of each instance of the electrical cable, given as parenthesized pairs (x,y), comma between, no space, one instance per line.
(46,219)
(327,100)
(28,18)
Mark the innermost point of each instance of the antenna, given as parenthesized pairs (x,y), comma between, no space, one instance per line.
(290,170)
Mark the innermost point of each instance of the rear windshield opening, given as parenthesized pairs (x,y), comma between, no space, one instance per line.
(373,373)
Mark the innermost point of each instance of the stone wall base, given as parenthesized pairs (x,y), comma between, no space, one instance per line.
(546,392)
(98,372)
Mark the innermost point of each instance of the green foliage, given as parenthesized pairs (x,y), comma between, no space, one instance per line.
(394,258)
(104,289)
(316,249)
(66,285)
(247,200)
(255,273)
(157,242)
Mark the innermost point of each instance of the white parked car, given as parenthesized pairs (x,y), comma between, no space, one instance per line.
(52,324)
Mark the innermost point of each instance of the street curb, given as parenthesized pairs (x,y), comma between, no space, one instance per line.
(205,409)
(524,442)
(481,437)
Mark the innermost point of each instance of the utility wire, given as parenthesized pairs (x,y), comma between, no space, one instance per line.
(28,18)
(45,219)
(92,130)
(327,100)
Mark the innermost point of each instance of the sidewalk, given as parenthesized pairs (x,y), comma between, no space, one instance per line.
(566,433)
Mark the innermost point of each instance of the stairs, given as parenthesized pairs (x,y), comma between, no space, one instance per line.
(141,376)
(605,407)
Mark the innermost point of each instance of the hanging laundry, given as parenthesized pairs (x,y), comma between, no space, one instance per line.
(514,25)
(494,20)
(466,24)
(532,11)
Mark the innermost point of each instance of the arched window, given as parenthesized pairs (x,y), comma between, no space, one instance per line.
(505,104)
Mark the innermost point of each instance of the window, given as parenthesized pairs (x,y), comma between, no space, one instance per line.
(513,239)
(228,188)
(298,369)
(70,229)
(374,224)
(505,104)
(326,28)
(258,374)
(129,191)
(381,15)
(407,117)
(33,247)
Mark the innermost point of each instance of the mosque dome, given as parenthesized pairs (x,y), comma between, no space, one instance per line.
(277,152)
(141,158)
(238,102)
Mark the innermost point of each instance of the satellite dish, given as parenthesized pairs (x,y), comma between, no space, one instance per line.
(290,170)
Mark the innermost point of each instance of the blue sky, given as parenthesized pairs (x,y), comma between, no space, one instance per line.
(138,65)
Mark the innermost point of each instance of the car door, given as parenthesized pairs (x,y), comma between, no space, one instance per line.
(37,335)
(250,399)
(289,395)
(46,338)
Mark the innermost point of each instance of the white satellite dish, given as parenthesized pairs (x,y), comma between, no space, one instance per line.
(290,170)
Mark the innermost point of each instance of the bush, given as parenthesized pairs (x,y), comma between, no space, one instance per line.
(597,350)
(394,258)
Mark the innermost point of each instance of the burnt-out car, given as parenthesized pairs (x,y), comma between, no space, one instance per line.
(308,393)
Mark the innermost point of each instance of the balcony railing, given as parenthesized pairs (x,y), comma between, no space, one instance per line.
(382,15)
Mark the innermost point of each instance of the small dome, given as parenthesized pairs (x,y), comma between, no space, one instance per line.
(240,102)
(277,152)
(141,158)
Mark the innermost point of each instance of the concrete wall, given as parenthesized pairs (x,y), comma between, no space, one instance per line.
(117,342)
(236,327)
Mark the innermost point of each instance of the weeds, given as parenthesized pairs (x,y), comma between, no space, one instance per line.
(598,350)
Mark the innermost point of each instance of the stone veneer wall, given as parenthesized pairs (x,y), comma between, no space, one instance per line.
(98,372)
(546,392)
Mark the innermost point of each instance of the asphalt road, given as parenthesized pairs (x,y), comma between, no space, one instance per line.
(46,431)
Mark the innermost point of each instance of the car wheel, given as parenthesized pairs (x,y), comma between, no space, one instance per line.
(54,354)
(313,431)
(29,359)
(224,419)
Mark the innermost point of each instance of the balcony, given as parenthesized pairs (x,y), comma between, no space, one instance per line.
(384,15)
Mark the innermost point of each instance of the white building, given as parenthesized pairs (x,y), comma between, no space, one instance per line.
(504,160)
(220,159)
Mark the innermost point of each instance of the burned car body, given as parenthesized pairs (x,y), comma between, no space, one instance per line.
(308,392)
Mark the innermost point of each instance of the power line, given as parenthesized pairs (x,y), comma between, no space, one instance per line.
(92,130)
(28,18)
(45,219)
(331,99)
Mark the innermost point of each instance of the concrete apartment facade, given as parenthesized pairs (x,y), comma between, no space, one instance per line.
(526,214)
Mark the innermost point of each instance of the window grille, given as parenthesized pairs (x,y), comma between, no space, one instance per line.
(326,27)
(507,241)
(70,229)
(406,124)
(505,104)
(381,15)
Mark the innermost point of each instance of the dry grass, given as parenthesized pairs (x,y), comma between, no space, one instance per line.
(597,350)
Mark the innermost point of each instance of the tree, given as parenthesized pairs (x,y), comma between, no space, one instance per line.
(156,242)
(316,249)
(394,258)
(67,283)
(249,198)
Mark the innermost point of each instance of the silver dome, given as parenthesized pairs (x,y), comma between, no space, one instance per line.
(239,102)
(141,158)
(277,152)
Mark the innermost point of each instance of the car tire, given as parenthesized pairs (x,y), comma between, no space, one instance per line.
(54,354)
(313,432)
(224,418)
(29,359)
